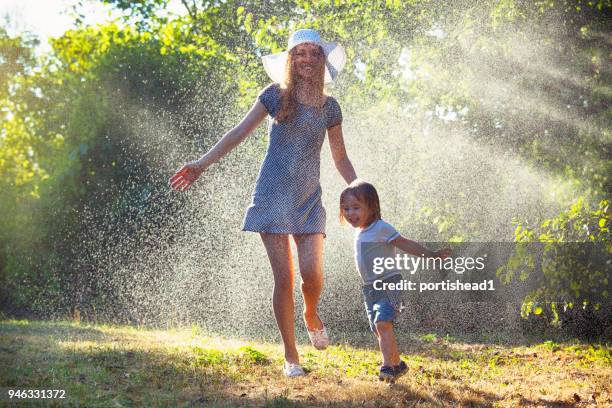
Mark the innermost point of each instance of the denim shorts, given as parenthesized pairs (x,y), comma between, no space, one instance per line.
(383,305)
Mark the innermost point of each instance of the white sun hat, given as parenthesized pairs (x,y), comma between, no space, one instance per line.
(335,56)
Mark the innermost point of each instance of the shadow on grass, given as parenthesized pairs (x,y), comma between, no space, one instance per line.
(126,375)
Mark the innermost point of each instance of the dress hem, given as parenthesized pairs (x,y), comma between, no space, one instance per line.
(285,232)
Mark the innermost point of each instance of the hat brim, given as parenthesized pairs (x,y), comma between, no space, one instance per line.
(335,59)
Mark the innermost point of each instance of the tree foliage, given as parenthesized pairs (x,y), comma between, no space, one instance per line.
(68,144)
(572,260)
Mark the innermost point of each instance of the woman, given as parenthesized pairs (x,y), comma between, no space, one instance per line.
(287,196)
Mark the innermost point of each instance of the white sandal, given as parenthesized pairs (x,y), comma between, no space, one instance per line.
(293,369)
(318,338)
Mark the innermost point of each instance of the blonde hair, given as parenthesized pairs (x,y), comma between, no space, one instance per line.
(365,193)
(289,103)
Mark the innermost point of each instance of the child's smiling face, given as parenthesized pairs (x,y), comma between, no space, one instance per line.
(356,212)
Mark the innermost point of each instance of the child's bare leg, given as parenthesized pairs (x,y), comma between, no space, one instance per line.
(387,343)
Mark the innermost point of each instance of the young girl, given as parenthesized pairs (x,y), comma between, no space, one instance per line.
(375,238)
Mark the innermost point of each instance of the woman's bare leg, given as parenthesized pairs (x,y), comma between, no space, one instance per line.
(310,256)
(279,254)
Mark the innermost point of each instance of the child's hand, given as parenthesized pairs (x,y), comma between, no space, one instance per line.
(186,176)
(444,253)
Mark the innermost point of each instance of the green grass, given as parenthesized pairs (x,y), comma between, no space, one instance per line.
(122,366)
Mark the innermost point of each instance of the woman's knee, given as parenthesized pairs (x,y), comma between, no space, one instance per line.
(283,284)
(312,280)
(310,256)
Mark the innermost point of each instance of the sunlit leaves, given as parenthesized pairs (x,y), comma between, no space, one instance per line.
(16,58)
(142,12)
(567,272)
(20,141)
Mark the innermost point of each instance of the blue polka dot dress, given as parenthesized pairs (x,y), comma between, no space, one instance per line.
(287,195)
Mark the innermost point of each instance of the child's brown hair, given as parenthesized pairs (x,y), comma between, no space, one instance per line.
(365,193)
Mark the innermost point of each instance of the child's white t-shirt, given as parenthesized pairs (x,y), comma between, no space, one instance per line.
(374,242)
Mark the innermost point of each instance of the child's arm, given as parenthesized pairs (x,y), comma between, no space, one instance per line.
(416,249)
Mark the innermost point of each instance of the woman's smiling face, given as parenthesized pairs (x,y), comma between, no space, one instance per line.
(308,60)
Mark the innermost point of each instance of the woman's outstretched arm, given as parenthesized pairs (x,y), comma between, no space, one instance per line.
(189,173)
(338,151)
(235,136)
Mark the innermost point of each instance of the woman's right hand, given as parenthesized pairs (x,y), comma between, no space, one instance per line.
(186,176)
